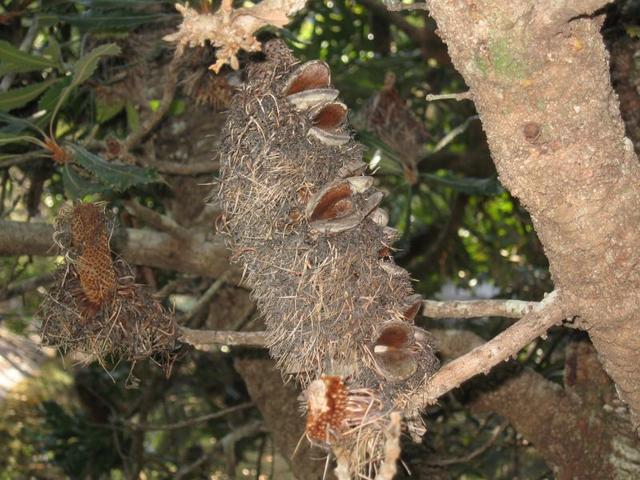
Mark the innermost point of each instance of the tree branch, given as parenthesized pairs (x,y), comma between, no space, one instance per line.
(140,247)
(170,85)
(156,220)
(546,314)
(477,308)
(190,421)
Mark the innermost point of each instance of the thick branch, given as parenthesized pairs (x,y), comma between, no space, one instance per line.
(141,247)
(477,308)
(551,17)
(481,359)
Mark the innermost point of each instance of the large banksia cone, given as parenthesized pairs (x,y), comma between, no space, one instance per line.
(304,222)
(95,307)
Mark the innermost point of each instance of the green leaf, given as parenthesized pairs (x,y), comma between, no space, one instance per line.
(86,65)
(117,176)
(83,69)
(133,118)
(22,61)
(107,109)
(77,186)
(53,50)
(7,138)
(469,185)
(113,21)
(49,100)
(19,97)
(17,125)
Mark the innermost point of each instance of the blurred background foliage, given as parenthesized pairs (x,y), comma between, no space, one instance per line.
(80,78)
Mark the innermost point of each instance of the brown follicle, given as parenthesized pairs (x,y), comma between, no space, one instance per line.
(415,304)
(401,350)
(332,203)
(332,139)
(311,75)
(329,117)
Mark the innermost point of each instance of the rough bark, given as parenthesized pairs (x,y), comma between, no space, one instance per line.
(539,76)
(578,430)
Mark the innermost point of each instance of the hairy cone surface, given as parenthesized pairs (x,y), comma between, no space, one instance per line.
(95,306)
(303,221)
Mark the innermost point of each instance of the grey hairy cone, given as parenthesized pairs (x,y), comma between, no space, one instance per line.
(302,220)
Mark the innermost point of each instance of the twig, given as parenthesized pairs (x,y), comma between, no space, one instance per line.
(230,440)
(175,168)
(414,33)
(206,298)
(191,421)
(203,339)
(27,285)
(449,96)
(474,453)
(158,221)
(546,314)
(477,308)
(388,467)
(170,85)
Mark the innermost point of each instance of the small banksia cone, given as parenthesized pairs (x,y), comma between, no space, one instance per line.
(95,307)
(94,265)
(304,221)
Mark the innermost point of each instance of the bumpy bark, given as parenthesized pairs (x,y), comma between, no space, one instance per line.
(581,431)
(539,76)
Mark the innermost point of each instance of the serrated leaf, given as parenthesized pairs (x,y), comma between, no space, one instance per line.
(103,21)
(77,186)
(469,185)
(26,62)
(49,100)
(86,65)
(117,176)
(19,97)
(83,69)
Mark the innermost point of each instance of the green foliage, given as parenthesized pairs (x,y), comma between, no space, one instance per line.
(19,97)
(111,175)
(14,60)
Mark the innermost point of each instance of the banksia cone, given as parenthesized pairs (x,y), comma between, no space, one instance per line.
(95,307)
(94,265)
(388,116)
(303,220)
